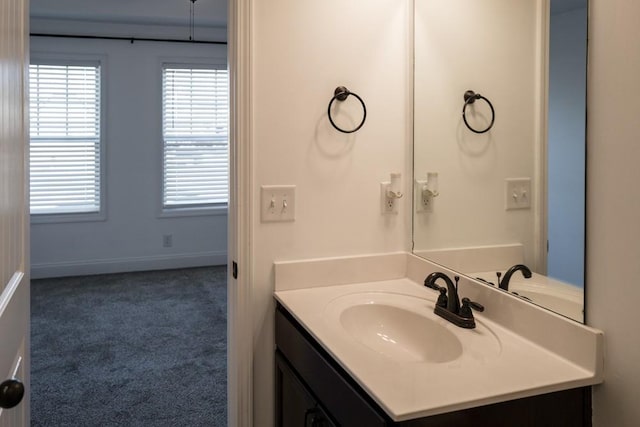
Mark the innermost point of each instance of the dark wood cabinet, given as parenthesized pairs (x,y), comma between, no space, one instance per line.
(297,406)
(312,390)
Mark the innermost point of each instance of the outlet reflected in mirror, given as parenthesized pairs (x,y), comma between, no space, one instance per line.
(514,194)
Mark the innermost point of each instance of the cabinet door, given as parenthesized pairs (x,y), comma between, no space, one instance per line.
(295,407)
(346,404)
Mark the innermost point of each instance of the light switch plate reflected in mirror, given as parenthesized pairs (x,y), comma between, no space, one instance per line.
(517,193)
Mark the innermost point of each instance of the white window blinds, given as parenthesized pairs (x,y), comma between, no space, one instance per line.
(65,138)
(195,105)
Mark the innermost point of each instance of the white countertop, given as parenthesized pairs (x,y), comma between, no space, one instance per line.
(516,367)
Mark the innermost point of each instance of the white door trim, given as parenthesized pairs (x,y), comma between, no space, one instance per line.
(239,318)
(540,138)
(14,208)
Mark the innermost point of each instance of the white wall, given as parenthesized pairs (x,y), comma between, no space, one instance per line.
(301,52)
(490,47)
(131,236)
(613,205)
(566,146)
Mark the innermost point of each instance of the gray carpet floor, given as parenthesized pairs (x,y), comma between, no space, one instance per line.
(130,349)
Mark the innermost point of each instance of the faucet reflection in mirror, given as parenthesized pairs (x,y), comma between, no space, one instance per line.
(504,282)
(468,228)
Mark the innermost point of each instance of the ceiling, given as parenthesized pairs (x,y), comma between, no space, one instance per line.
(210,13)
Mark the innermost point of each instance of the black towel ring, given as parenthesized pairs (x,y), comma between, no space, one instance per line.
(341,93)
(469,98)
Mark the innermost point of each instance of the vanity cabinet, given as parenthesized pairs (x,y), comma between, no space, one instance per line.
(297,406)
(312,390)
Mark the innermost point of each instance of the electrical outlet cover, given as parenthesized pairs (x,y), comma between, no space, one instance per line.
(422,204)
(388,205)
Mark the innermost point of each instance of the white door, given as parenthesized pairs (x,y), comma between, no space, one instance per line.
(14,219)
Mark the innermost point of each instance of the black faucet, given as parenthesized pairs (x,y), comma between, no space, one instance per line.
(448,304)
(450,294)
(504,283)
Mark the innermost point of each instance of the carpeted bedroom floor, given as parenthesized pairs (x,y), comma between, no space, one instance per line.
(130,349)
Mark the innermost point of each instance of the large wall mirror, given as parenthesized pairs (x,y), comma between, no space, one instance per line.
(499,204)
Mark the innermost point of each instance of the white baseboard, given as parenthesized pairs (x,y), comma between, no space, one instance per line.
(120,265)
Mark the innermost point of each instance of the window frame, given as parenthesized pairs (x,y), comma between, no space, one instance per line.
(38,58)
(194,210)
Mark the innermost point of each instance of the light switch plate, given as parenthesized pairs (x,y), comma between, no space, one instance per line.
(517,193)
(277,203)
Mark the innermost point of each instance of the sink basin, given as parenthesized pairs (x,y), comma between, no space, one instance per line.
(404,328)
(400,334)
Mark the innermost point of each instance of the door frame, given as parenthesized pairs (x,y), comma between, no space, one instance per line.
(239,315)
(540,138)
(14,247)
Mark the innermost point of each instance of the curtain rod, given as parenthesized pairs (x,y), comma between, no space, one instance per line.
(130,39)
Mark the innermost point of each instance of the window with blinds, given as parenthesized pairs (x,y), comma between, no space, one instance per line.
(195,119)
(64,116)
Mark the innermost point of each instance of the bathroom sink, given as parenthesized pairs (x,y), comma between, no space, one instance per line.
(400,334)
(384,334)
(404,328)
